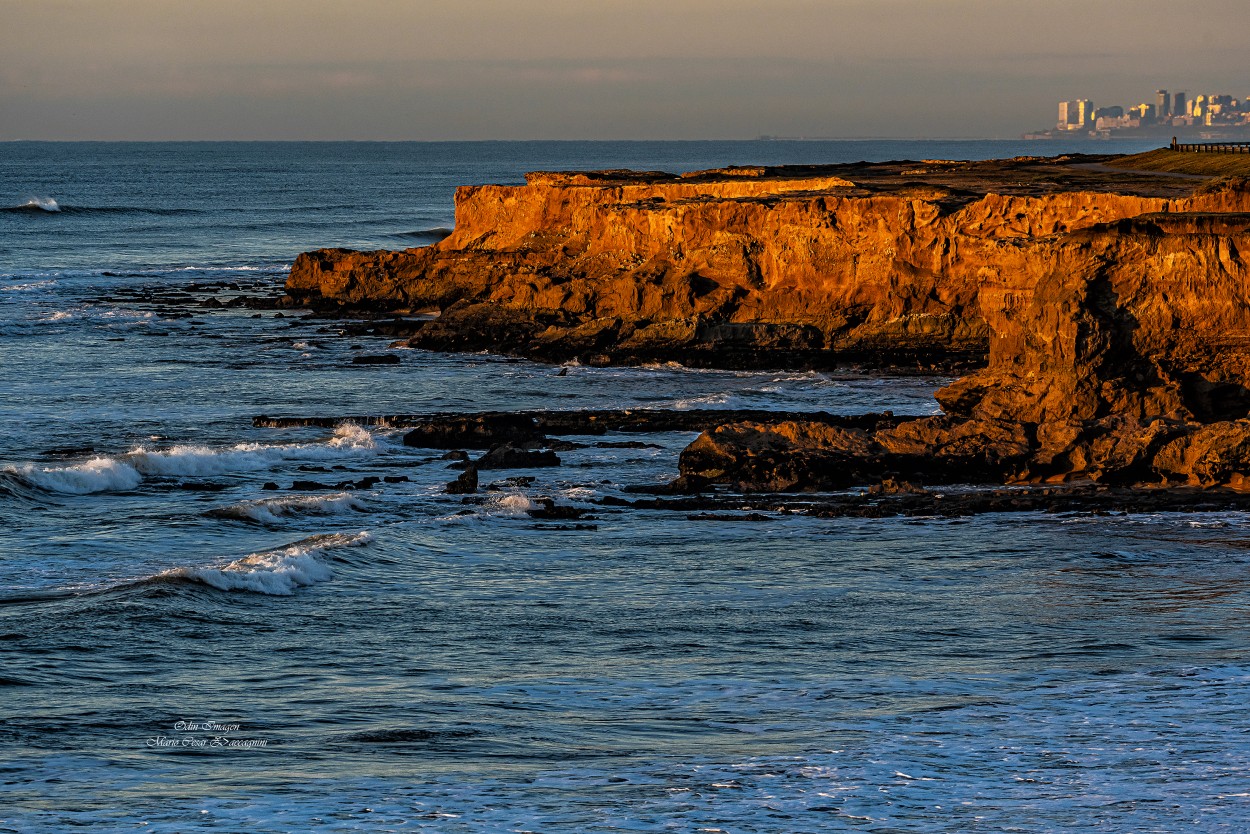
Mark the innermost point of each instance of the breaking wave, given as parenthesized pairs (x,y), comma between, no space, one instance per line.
(37,204)
(275,572)
(51,206)
(107,473)
(505,505)
(274,510)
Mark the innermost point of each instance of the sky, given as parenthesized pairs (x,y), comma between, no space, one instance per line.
(595,69)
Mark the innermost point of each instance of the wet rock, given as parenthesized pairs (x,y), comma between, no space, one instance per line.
(376,359)
(789,456)
(395,479)
(473,431)
(549,509)
(511,483)
(466,484)
(312,486)
(508,456)
(729,517)
(626,444)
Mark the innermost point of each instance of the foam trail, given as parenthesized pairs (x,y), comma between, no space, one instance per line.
(274,510)
(275,572)
(124,472)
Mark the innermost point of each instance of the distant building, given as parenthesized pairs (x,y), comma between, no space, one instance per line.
(1179,106)
(1067,116)
(1163,105)
(1076,115)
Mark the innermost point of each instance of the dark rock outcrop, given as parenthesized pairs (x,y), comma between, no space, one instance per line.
(465,484)
(508,456)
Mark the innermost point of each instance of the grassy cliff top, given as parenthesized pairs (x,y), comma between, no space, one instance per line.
(1182,162)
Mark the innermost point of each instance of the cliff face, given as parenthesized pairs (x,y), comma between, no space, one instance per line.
(1117,317)
(1147,317)
(1119,353)
(735,266)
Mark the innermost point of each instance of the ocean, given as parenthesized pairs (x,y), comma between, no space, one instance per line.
(182,649)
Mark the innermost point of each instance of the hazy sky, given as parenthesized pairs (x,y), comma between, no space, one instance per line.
(595,69)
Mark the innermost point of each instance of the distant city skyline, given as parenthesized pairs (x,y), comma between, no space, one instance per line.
(477,69)
(1168,110)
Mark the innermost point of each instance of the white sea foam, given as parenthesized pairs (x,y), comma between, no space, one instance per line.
(28,287)
(513,503)
(506,505)
(227,268)
(127,471)
(44,203)
(99,474)
(273,510)
(276,572)
(701,401)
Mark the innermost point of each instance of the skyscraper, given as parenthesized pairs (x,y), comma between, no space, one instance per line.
(1085,112)
(1163,105)
(1179,105)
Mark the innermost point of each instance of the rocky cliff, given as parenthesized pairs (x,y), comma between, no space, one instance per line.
(1119,353)
(741,266)
(1115,307)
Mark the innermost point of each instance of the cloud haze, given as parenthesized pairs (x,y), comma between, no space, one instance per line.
(484,69)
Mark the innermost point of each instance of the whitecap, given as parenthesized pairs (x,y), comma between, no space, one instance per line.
(275,572)
(38,204)
(99,474)
(274,510)
(127,471)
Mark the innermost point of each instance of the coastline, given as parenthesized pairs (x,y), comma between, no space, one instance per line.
(1105,299)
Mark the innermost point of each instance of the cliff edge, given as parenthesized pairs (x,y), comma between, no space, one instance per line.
(805,266)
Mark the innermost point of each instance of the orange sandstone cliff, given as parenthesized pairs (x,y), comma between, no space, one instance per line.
(1119,353)
(754,266)
(1114,307)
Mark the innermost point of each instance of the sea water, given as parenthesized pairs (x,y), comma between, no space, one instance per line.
(182,649)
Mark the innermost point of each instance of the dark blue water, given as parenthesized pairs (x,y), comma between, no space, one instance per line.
(393,659)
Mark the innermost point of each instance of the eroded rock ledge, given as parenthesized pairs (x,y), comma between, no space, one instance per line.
(875,264)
